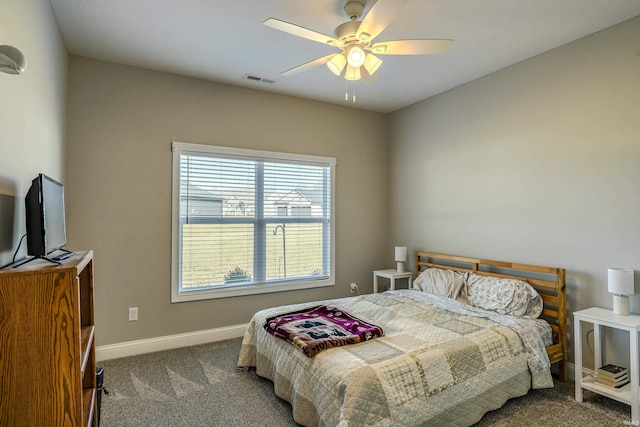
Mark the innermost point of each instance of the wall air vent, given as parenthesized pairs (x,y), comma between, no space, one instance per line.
(258,79)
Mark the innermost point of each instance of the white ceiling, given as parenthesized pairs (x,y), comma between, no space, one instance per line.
(224,40)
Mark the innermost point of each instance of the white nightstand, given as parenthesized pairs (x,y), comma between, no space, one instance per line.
(603,317)
(392,275)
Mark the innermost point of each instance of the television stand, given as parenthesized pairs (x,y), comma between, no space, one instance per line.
(48,344)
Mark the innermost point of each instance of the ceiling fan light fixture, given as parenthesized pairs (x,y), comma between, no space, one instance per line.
(355,56)
(372,63)
(352,73)
(337,64)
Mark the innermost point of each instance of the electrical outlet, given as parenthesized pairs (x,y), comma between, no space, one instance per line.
(133,313)
(354,288)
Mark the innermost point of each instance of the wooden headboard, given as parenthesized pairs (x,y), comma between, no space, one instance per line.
(548,281)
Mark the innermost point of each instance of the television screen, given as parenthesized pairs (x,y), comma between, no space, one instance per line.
(46,231)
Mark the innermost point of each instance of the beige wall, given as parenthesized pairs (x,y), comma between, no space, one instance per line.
(32,113)
(121,124)
(537,163)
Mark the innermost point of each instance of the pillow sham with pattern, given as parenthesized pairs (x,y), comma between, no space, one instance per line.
(504,296)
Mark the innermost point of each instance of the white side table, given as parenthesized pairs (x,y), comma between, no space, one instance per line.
(392,275)
(602,317)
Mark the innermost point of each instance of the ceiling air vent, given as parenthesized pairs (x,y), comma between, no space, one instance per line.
(258,79)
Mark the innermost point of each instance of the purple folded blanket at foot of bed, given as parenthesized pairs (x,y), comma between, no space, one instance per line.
(321,327)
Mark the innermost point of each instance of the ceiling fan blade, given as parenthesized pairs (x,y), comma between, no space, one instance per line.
(308,65)
(299,31)
(380,15)
(412,47)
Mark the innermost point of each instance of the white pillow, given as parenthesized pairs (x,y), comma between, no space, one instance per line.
(504,296)
(443,282)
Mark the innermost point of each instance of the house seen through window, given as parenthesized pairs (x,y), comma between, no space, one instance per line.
(247,222)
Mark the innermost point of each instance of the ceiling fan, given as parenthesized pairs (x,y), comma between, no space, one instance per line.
(354,38)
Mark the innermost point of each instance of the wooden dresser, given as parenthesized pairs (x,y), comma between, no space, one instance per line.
(47,344)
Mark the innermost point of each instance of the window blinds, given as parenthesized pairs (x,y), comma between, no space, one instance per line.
(249,219)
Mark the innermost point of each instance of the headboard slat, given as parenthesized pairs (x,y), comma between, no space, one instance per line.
(549,299)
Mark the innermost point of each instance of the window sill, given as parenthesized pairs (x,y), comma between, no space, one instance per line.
(238,291)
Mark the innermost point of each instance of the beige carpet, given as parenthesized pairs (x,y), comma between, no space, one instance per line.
(200,386)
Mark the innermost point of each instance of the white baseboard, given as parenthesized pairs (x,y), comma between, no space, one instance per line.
(132,348)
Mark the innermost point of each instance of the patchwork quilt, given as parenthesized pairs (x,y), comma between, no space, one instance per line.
(440,362)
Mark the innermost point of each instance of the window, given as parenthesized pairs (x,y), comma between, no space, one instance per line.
(247,222)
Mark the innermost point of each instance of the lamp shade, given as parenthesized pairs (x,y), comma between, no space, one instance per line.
(620,281)
(372,63)
(352,74)
(401,253)
(337,64)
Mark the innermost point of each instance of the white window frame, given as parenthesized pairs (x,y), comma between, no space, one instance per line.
(178,148)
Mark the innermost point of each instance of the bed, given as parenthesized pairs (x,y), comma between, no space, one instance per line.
(440,361)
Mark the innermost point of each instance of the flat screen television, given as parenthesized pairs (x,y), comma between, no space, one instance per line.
(45,220)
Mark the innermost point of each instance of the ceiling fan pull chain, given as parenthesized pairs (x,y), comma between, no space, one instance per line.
(346,89)
(354,89)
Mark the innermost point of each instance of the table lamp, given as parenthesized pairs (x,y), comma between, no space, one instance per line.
(620,284)
(401,257)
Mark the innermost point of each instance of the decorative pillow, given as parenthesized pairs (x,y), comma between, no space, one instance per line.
(443,282)
(504,296)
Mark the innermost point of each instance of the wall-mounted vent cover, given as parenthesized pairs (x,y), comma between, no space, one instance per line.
(258,79)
